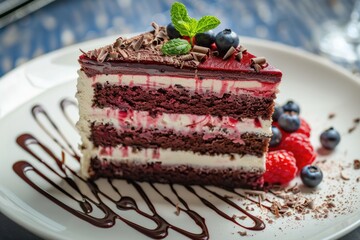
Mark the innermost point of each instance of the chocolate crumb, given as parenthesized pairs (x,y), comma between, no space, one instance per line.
(232,157)
(358,179)
(242,233)
(357,120)
(331,115)
(356,164)
(242,217)
(351,129)
(297,218)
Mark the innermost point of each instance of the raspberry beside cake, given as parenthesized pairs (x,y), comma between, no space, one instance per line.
(193,118)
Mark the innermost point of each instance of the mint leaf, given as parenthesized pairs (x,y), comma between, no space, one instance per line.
(176,46)
(188,26)
(207,23)
(179,16)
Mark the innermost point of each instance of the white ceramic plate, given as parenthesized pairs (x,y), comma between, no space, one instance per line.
(317,85)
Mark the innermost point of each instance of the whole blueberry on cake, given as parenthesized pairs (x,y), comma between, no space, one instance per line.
(159,107)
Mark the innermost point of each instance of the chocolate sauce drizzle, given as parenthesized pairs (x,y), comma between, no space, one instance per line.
(88,204)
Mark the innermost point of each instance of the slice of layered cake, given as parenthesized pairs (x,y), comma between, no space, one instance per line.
(160,108)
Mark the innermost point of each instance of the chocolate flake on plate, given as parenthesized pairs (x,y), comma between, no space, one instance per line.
(356,164)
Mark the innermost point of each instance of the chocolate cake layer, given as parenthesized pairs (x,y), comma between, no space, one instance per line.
(182,174)
(107,135)
(181,101)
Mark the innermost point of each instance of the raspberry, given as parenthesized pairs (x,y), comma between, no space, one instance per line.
(280,167)
(304,128)
(299,144)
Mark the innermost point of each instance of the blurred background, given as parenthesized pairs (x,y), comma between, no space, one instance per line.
(30,28)
(48,25)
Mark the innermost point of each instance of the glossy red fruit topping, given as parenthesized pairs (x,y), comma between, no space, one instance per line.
(300,145)
(280,167)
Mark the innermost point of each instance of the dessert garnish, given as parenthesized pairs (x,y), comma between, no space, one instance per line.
(184,25)
(311,176)
(330,138)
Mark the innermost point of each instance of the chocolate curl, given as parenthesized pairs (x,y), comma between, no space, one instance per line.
(113,55)
(200,49)
(186,57)
(198,56)
(242,49)
(156,27)
(123,53)
(137,45)
(118,42)
(229,53)
(258,60)
(256,67)
(102,55)
(239,56)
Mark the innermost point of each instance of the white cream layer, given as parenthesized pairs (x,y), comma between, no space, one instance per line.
(169,157)
(208,125)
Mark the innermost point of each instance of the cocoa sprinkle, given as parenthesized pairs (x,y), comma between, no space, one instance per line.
(356,164)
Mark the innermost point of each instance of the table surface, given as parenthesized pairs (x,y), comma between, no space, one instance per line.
(65,22)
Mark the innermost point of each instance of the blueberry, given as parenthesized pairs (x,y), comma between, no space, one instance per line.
(289,121)
(291,106)
(225,39)
(278,110)
(276,137)
(205,39)
(311,176)
(330,138)
(172,32)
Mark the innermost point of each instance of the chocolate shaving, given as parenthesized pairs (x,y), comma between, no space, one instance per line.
(200,49)
(331,115)
(344,176)
(123,53)
(137,45)
(102,55)
(356,164)
(242,233)
(256,67)
(351,129)
(156,27)
(118,42)
(258,60)
(113,55)
(186,57)
(239,56)
(83,52)
(242,49)
(229,53)
(198,56)
(261,194)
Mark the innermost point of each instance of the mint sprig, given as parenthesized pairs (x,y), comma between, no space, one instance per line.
(176,46)
(188,26)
